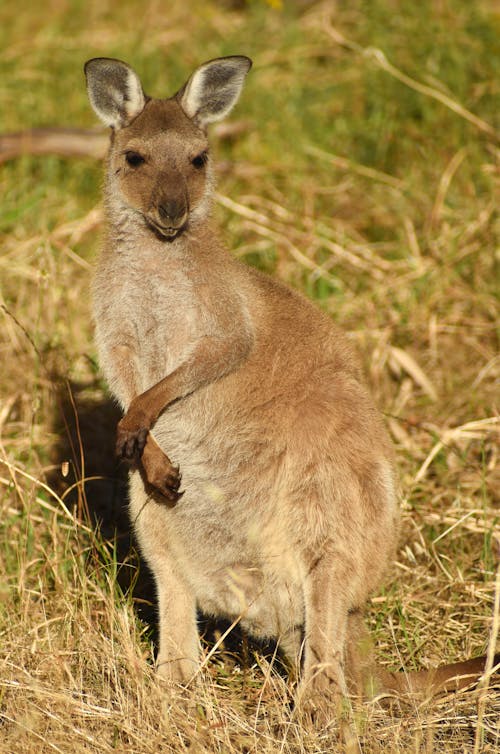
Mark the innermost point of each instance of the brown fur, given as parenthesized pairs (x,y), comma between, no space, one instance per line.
(289,514)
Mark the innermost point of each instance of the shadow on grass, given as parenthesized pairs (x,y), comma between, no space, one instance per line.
(85,426)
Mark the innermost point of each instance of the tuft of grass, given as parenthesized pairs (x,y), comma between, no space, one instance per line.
(365,177)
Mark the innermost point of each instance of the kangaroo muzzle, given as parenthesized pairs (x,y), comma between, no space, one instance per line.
(168,218)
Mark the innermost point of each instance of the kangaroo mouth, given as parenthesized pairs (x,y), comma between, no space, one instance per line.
(165,232)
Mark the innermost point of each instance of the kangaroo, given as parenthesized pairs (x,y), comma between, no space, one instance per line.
(287,514)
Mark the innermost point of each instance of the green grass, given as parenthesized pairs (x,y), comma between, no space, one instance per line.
(376,200)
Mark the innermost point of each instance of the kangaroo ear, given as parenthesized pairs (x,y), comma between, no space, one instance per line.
(114,90)
(214,88)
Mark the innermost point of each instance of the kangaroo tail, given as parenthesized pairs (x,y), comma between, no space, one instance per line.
(444,678)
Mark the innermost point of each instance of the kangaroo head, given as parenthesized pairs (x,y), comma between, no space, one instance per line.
(158,160)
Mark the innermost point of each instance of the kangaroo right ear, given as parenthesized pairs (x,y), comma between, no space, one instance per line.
(114,90)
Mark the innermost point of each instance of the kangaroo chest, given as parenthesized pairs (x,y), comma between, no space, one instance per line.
(150,309)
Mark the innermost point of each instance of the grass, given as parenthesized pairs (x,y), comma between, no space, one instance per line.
(359,179)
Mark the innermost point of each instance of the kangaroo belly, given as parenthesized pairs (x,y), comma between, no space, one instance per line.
(267,604)
(257,510)
(234,561)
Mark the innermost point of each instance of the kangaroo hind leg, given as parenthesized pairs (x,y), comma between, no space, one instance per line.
(323,686)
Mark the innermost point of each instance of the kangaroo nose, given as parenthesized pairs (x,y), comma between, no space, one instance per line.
(170,211)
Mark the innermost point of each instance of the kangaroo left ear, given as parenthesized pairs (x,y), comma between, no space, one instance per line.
(214,88)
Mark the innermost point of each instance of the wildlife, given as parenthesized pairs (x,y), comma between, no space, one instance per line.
(263,486)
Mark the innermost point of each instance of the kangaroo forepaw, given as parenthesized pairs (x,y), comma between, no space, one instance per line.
(160,473)
(168,484)
(130,444)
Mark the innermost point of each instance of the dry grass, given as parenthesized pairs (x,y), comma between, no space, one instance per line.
(357,181)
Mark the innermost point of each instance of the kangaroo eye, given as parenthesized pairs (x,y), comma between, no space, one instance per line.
(200,160)
(134,159)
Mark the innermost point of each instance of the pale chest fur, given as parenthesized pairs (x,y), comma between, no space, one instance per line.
(152,310)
